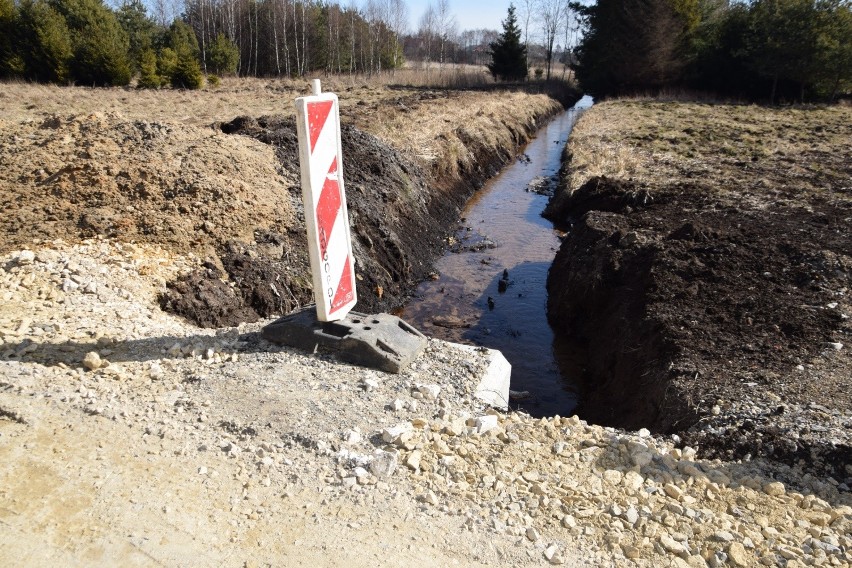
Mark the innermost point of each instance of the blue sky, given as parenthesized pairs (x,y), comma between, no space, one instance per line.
(470,14)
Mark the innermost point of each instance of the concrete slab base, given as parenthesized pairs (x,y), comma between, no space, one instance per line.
(379,341)
(493,388)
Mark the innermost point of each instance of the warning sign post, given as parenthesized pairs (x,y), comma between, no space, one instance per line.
(380,341)
(329,244)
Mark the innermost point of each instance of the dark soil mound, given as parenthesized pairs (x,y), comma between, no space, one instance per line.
(683,300)
(397,221)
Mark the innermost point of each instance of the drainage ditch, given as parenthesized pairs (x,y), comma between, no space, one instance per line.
(489,288)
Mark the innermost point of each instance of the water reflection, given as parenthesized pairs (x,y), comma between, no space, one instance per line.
(503,238)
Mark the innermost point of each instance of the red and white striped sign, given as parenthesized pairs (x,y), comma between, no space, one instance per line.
(329,245)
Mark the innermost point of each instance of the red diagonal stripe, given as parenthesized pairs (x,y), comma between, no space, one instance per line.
(327,207)
(317,115)
(344,288)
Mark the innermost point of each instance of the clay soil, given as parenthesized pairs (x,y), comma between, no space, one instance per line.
(707,275)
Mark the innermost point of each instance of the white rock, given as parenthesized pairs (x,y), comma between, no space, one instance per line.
(837,346)
(429,497)
(360,472)
(552,555)
(92,361)
(398,434)
(370,384)
(413,460)
(351,436)
(737,554)
(633,481)
(429,392)
(25,257)
(642,458)
(673,491)
(672,545)
(532,534)
(485,423)
(397,405)
(774,488)
(613,476)
(383,464)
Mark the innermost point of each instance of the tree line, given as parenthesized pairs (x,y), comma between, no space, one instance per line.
(792,50)
(85,42)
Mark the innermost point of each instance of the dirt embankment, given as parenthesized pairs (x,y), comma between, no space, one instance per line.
(227,189)
(709,285)
(400,208)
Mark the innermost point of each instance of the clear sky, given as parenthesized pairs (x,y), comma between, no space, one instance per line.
(470,14)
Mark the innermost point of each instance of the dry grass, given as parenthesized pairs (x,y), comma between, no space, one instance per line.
(436,128)
(729,147)
(234,97)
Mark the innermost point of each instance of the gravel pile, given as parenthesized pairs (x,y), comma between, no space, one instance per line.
(193,446)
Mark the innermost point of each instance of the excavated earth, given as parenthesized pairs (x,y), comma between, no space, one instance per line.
(717,309)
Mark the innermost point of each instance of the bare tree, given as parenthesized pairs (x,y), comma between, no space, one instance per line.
(527,10)
(427,33)
(552,16)
(445,24)
(397,21)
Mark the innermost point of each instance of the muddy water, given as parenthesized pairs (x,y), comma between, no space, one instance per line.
(502,230)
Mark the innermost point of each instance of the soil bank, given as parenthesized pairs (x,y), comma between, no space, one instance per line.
(714,306)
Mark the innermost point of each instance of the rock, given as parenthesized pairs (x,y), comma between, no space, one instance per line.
(351,436)
(630,552)
(551,553)
(412,461)
(429,392)
(673,491)
(25,257)
(737,554)
(837,346)
(533,534)
(774,488)
(641,458)
(429,498)
(399,434)
(612,476)
(360,473)
(370,385)
(673,546)
(531,476)
(383,464)
(631,515)
(485,423)
(397,405)
(633,481)
(559,447)
(723,536)
(92,361)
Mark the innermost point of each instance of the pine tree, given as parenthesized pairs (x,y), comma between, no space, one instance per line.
(508,55)
(148,77)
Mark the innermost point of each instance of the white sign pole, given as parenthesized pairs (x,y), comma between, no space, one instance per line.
(326,217)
